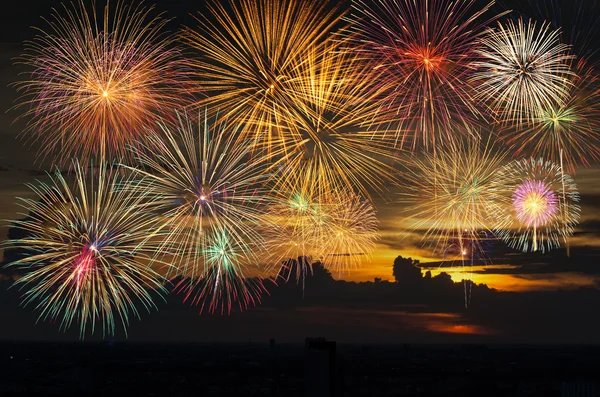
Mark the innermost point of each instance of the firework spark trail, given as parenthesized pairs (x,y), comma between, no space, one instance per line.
(205,185)
(522,68)
(467,249)
(422,53)
(249,53)
(88,253)
(537,218)
(97,81)
(460,201)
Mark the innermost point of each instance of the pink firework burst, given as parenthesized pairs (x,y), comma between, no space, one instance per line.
(535,203)
(544,208)
(85,263)
(421,56)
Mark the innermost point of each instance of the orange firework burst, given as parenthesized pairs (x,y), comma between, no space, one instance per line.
(422,53)
(249,52)
(351,233)
(309,222)
(96,81)
(296,222)
(329,136)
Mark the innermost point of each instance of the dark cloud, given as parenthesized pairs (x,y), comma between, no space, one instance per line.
(590,226)
(584,260)
(400,242)
(591,202)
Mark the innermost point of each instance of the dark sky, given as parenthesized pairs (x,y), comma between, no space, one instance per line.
(526,298)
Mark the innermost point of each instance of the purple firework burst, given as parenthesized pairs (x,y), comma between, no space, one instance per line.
(535,203)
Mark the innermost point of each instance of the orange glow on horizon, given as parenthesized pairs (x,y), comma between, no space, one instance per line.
(463,329)
(381,266)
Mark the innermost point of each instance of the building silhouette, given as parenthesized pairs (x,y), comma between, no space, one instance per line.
(322,373)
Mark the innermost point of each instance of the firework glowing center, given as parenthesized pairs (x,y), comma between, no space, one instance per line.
(201,198)
(300,203)
(562,116)
(428,60)
(270,75)
(526,69)
(269,80)
(221,253)
(535,203)
(205,194)
(467,192)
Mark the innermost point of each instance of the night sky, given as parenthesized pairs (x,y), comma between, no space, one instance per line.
(518,297)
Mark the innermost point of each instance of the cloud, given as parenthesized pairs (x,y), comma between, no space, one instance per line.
(590,226)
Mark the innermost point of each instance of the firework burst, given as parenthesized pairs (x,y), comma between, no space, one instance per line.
(565,133)
(96,82)
(350,234)
(88,253)
(330,138)
(297,219)
(205,188)
(249,52)
(225,281)
(544,206)
(522,68)
(421,52)
(453,191)
(534,203)
(311,223)
(454,197)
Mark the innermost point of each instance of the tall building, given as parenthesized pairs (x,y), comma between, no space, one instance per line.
(321,373)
